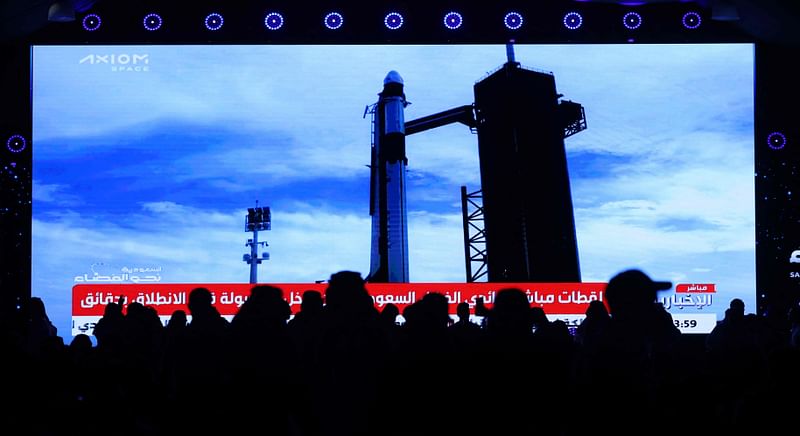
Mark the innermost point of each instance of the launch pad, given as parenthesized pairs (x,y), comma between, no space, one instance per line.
(527,212)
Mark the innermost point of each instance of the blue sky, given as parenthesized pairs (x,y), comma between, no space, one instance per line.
(157,167)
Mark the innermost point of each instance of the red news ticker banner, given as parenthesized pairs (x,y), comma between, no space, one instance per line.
(554,298)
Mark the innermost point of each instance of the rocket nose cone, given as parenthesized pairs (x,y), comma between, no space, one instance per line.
(393,77)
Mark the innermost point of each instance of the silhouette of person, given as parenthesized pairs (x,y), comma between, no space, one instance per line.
(733,352)
(733,331)
(81,361)
(462,311)
(634,357)
(46,364)
(511,357)
(310,314)
(109,330)
(173,334)
(596,321)
(177,320)
(174,337)
(426,350)
(306,331)
(389,315)
(350,355)
(391,331)
(468,342)
(464,332)
(38,328)
(262,358)
(200,368)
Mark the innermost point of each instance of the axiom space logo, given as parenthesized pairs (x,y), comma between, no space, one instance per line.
(123,62)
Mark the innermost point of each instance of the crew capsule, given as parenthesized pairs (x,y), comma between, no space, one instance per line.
(393,77)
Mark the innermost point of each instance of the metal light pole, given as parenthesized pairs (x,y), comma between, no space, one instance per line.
(258,218)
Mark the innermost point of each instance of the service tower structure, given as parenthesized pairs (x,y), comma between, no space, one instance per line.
(528,212)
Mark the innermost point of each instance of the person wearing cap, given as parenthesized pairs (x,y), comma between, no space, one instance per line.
(637,319)
(634,356)
(632,293)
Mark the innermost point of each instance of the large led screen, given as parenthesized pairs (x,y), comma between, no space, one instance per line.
(147,157)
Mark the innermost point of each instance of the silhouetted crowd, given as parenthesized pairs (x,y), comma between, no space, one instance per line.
(341,367)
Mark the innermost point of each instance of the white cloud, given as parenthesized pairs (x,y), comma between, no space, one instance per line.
(53,193)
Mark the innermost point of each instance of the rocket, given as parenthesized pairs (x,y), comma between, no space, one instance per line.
(389,251)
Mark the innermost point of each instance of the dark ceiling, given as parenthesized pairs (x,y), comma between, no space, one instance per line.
(771,21)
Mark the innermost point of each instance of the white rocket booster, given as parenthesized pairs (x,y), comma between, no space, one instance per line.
(389,255)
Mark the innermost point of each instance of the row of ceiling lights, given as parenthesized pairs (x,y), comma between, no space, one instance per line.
(394,20)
